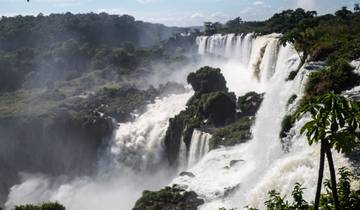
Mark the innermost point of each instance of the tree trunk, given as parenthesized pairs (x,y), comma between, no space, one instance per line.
(332,175)
(320,176)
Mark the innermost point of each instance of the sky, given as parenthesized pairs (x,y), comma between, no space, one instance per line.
(172,12)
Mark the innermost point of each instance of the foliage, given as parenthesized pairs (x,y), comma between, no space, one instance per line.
(250,103)
(219,107)
(334,123)
(44,206)
(168,198)
(338,77)
(333,118)
(349,199)
(204,108)
(98,29)
(207,79)
(230,135)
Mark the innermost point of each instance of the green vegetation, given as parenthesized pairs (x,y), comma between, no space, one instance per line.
(207,80)
(98,29)
(168,198)
(337,77)
(44,206)
(348,199)
(333,124)
(230,135)
(211,105)
(249,103)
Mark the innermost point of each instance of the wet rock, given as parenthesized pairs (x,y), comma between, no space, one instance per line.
(231,190)
(185,173)
(234,162)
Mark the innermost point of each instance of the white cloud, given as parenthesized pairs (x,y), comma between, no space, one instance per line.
(219,16)
(306,4)
(145,1)
(198,15)
(258,3)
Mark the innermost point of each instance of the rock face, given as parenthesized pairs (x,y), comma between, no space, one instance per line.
(211,105)
(169,198)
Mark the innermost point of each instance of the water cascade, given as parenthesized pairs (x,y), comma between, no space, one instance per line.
(231,177)
(199,146)
(241,175)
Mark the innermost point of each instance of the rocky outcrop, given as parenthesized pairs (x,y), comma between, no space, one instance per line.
(169,198)
(210,106)
(249,103)
(207,80)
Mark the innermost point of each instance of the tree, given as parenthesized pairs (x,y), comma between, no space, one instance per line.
(357,8)
(344,13)
(301,40)
(209,28)
(333,123)
(235,23)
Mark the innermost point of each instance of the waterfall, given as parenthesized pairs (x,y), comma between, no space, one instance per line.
(230,177)
(138,144)
(199,146)
(134,163)
(234,177)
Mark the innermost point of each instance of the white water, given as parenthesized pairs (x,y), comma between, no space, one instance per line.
(124,173)
(259,165)
(230,177)
(199,146)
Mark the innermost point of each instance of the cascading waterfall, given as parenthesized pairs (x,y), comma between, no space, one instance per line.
(230,46)
(241,175)
(231,177)
(199,146)
(138,144)
(134,163)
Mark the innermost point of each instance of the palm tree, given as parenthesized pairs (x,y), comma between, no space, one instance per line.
(333,123)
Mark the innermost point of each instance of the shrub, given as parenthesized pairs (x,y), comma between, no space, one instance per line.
(207,80)
(44,206)
(338,77)
(232,134)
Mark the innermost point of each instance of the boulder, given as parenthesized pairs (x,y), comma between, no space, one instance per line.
(185,173)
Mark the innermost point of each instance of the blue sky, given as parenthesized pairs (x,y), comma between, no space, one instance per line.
(172,12)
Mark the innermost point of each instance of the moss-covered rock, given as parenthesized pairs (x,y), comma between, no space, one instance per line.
(219,107)
(169,198)
(250,103)
(207,80)
(235,133)
(211,105)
